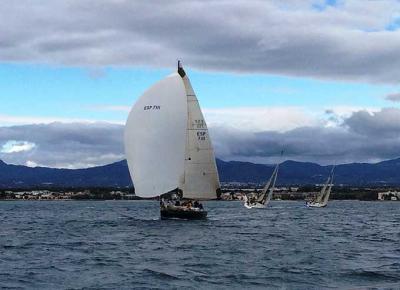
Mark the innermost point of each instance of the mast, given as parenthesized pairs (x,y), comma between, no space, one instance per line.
(181,71)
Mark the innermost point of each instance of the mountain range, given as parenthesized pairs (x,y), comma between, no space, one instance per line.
(290,173)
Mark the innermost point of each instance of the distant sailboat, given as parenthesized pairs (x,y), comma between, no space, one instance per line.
(322,198)
(263,198)
(169,150)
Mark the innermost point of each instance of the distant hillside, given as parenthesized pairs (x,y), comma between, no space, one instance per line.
(112,175)
(291,172)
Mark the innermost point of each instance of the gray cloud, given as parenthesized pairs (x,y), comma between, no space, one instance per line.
(64,145)
(393,97)
(346,42)
(321,145)
(362,137)
(382,124)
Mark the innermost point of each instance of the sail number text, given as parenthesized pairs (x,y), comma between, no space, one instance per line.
(200,124)
(155,107)
(201,135)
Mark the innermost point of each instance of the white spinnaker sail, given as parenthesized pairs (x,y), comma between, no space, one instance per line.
(155,137)
(201,179)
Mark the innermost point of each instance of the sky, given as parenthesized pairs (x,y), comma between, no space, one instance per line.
(318,79)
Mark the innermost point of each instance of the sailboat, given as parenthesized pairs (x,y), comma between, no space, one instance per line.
(321,200)
(262,199)
(168,149)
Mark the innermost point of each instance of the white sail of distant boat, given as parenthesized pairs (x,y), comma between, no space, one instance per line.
(263,198)
(167,144)
(322,197)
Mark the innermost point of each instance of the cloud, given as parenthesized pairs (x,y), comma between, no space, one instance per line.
(68,145)
(31,163)
(7,120)
(111,108)
(348,40)
(360,136)
(384,123)
(13,146)
(259,118)
(393,97)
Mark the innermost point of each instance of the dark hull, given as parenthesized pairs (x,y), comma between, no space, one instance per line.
(182,214)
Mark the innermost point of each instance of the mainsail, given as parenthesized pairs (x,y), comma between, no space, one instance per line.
(265,196)
(201,176)
(323,195)
(329,185)
(167,143)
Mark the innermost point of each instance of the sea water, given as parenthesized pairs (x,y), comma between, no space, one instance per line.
(124,245)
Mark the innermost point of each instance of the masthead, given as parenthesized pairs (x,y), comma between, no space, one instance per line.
(181,71)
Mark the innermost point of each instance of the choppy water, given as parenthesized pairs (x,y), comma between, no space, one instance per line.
(123,244)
